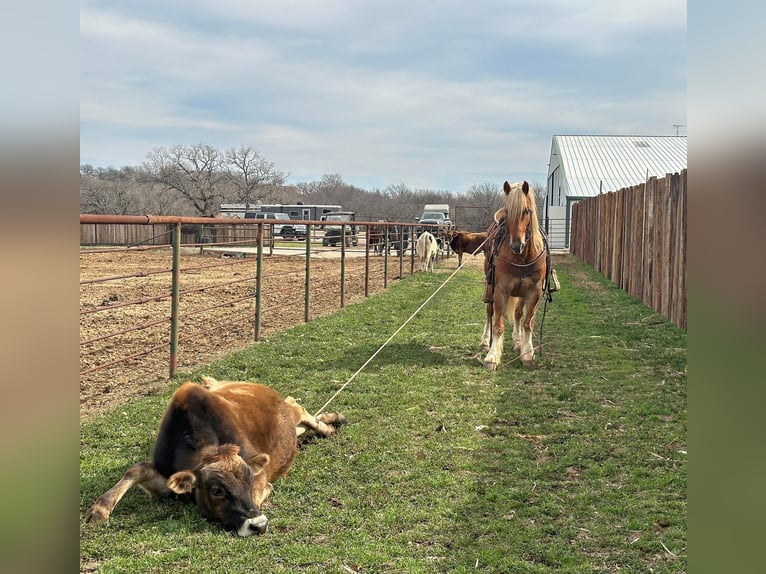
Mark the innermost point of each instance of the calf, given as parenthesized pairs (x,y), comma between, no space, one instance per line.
(465,242)
(426,248)
(222,443)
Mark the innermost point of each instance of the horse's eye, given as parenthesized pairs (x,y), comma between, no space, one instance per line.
(216,491)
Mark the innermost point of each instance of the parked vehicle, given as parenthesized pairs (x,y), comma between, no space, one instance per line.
(435,214)
(284,230)
(332,232)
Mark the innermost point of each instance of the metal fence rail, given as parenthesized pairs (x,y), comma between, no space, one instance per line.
(147,310)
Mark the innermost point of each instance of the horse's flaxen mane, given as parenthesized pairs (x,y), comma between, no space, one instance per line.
(516,201)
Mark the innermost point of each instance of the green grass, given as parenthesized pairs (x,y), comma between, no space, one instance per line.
(572,466)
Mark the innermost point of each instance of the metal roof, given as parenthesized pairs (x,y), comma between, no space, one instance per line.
(607,163)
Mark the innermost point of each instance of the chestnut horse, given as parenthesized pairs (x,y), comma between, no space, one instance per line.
(516,271)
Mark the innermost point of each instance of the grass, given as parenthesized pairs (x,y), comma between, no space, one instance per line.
(577,465)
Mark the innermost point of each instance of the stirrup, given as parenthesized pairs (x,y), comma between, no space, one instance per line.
(553,283)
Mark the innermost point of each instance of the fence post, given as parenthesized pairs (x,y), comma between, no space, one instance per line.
(307,296)
(401,251)
(385,259)
(342,265)
(175,295)
(258,283)
(367,262)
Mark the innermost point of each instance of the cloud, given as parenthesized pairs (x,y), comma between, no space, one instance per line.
(384,92)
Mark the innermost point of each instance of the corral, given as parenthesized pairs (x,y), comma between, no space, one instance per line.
(216,316)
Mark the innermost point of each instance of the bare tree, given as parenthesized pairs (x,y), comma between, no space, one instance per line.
(252,177)
(478,207)
(107,191)
(540,192)
(194,172)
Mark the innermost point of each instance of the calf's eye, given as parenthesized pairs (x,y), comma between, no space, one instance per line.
(216,491)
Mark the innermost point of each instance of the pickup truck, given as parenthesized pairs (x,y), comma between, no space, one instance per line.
(332,231)
(284,230)
(437,218)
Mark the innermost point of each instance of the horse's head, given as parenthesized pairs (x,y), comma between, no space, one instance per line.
(521,216)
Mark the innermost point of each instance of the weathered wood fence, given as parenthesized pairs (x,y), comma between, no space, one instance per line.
(160,234)
(637,238)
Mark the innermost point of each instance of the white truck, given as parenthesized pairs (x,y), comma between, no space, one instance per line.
(435,214)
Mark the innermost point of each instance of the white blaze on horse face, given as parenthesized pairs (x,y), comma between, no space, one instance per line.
(517,237)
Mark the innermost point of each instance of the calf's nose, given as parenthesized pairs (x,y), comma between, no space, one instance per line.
(256,525)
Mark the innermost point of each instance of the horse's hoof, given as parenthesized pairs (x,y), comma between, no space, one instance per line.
(490,365)
(484,347)
(528,364)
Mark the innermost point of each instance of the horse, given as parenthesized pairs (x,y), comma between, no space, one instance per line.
(516,271)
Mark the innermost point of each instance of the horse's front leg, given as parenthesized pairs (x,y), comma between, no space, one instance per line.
(486,336)
(492,360)
(517,305)
(527,349)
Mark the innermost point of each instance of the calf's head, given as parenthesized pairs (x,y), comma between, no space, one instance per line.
(223,485)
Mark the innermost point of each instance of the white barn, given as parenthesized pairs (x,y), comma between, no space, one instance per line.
(582,166)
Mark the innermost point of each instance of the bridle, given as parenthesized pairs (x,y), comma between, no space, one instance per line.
(521,270)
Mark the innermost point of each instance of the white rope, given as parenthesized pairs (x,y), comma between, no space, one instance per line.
(411,317)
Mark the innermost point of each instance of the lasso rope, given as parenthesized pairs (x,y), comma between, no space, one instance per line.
(395,333)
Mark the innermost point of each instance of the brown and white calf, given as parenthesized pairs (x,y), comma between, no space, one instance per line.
(222,443)
(426,248)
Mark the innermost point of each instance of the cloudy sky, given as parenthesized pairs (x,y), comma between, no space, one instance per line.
(431,94)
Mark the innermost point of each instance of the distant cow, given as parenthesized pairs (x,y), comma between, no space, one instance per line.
(465,242)
(384,238)
(399,239)
(376,239)
(426,248)
(222,443)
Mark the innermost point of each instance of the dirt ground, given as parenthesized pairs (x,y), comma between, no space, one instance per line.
(125,310)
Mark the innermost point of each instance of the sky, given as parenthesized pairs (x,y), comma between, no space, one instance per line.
(430,94)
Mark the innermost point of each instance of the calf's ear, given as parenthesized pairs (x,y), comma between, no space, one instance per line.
(182,482)
(258,462)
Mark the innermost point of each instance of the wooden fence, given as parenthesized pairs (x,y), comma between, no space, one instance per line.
(160,234)
(637,238)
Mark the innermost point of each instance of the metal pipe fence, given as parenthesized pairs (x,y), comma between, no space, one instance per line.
(148,310)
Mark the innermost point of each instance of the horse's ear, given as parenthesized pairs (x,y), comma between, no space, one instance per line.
(525,187)
(507,188)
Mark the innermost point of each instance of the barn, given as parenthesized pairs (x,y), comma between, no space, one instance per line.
(583,166)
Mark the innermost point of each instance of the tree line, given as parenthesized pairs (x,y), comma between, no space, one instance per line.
(194,180)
